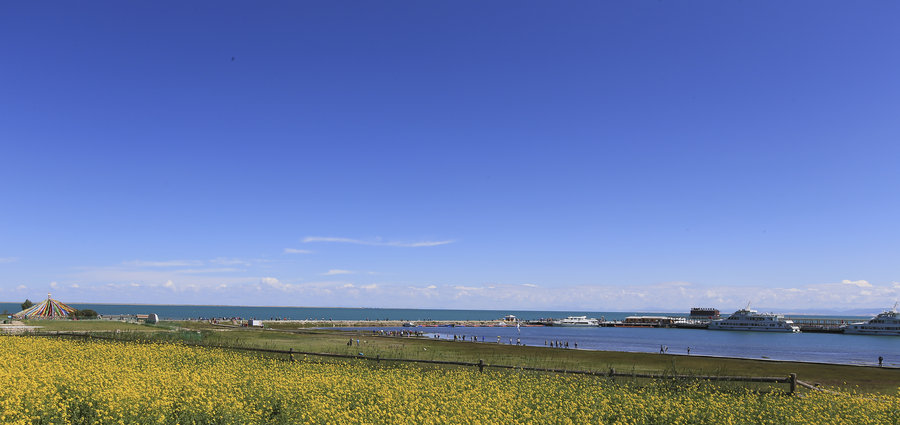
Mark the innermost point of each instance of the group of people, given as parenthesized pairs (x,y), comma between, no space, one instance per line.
(474,338)
(518,341)
(382,332)
(664,349)
(560,344)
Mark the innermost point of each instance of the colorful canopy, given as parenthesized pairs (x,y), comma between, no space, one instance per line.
(49,309)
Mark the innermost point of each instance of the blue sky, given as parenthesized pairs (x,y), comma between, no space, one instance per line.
(530,155)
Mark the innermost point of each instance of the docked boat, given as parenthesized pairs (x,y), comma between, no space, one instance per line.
(704,313)
(885,323)
(746,319)
(576,321)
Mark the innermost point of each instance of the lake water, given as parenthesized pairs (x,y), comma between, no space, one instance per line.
(805,347)
(809,347)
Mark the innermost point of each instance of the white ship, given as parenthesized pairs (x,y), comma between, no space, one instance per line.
(886,323)
(746,319)
(576,321)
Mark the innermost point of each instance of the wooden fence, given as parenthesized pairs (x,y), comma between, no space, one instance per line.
(611,373)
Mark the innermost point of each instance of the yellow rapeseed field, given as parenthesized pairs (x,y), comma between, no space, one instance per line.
(49,381)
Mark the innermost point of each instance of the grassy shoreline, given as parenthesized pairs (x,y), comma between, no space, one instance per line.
(849,377)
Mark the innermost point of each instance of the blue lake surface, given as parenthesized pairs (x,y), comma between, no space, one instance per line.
(805,347)
(809,347)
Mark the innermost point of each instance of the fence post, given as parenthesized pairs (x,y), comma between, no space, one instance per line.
(291,353)
(481,365)
(793,383)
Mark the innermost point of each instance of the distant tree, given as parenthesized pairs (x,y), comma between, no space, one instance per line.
(85,314)
(27,304)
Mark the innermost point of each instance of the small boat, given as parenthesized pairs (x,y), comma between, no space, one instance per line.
(885,323)
(576,321)
(409,325)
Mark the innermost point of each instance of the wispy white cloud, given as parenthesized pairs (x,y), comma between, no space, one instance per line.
(219,261)
(333,272)
(673,284)
(376,242)
(297,251)
(7,260)
(209,270)
(169,263)
(273,283)
(468,288)
(223,261)
(859,283)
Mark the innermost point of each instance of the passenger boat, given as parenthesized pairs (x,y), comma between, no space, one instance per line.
(576,321)
(885,323)
(746,319)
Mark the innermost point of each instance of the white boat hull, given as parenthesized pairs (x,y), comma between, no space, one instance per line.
(871,332)
(752,329)
(574,325)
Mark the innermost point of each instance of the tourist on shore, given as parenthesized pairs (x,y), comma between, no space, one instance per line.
(880,361)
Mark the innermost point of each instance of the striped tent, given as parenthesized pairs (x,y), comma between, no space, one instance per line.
(49,309)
